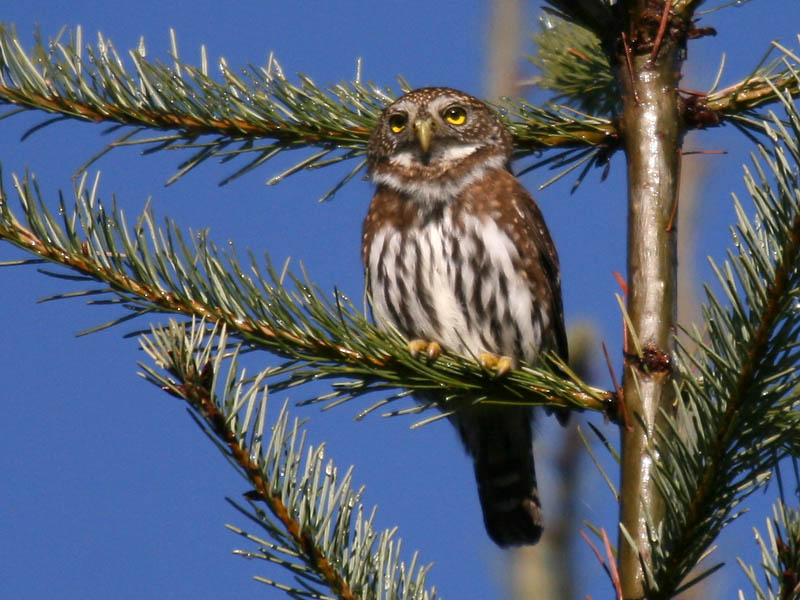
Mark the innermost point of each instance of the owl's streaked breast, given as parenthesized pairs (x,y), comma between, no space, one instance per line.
(455,278)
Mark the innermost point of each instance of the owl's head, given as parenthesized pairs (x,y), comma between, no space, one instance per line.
(436,137)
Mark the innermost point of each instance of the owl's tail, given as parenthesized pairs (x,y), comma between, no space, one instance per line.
(500,442)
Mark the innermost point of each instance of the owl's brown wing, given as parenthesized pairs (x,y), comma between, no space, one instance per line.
(514,209)
(550,265)
(502,196)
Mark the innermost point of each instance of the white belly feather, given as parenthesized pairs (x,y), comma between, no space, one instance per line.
(499,318)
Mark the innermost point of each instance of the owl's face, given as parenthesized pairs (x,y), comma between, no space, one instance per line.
(431,142)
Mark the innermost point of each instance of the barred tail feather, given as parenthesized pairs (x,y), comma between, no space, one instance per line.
(500,442)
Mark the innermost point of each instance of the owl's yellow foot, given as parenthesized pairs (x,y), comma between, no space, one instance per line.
(499,364)
(431,349)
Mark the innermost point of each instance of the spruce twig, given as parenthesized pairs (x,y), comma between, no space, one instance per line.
(314,518)
(258,113)
(150,270)
(574,64)
(736,103)
(780,556)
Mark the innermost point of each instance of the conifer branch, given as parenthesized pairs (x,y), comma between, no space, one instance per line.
(258,113)
(737,102)
(314,518)
(780,556)
(720,6)
(574,63)
(150,270)
(738,411)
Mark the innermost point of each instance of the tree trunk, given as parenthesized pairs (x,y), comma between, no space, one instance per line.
(651,127)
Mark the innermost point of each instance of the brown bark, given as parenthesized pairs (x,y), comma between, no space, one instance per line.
(651,128)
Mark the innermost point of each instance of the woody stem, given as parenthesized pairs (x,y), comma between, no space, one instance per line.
(652,131)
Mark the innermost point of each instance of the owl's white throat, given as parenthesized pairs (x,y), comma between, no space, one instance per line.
(409,158)
(443,188)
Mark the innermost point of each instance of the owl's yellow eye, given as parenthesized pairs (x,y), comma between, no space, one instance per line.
(455,115)
(398,122)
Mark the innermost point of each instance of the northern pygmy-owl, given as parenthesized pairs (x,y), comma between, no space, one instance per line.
(457,256)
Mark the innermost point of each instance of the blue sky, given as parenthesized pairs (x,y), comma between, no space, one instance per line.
(110,489)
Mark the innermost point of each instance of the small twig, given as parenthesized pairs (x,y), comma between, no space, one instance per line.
(596,552)
(196,391)
(662,28)
(621,282)
(688,152)
(673,215)
(578,54)
(617,389)
(629,61)
(624,286)
(612,563)
(608,562)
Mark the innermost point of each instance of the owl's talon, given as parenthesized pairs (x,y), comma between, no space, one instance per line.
(416,346)
(499,364)
(434,350)
(431,349)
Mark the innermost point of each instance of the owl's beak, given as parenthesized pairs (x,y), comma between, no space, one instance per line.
(424,130)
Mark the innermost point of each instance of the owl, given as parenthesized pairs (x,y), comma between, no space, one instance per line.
(457,256)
